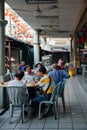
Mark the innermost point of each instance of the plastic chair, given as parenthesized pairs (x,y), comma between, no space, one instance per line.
(6,78)
(17,98)
(61,93)
(53,101)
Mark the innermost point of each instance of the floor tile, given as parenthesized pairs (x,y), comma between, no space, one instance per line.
(75,117)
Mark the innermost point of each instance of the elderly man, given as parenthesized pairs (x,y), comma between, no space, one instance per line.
(21,66)
(17,79)
(58,74)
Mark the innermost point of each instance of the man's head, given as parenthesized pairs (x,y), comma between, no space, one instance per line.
(38,65)
(42,71)
(54,66)
(27,68)
(23,63)
(19,75)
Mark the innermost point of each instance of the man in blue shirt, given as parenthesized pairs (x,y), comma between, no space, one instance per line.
(58,74)
(21,66)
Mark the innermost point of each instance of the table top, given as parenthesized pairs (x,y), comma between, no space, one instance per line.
(5,84)
(29,85)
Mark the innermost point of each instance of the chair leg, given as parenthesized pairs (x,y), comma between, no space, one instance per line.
(11,112)
(63,102)
(56,109)
(22,112)
(40,111)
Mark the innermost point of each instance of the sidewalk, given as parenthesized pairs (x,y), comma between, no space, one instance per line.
(74,119)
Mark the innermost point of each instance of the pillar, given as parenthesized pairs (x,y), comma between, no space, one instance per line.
(71,50)
(2,34)
(75,52)
(36,47)
(2,49)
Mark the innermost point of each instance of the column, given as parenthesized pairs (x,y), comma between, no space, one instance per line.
(2,55)
(2,33)
(36,47)
(75,52)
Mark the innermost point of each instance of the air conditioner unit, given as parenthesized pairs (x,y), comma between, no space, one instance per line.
(41,1)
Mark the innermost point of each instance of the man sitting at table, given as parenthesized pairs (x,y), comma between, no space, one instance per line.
(47,84)
(17,80)
(21,66)
(29,76)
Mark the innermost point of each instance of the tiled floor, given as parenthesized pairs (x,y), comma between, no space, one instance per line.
(74,119)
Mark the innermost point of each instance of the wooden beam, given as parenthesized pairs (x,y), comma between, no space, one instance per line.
(82,17)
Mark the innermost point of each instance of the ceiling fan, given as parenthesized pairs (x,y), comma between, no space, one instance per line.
(39,13)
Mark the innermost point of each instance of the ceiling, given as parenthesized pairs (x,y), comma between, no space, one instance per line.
(61,26)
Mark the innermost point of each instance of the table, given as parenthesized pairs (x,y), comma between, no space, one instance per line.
(4,99)
(31,89)
(3,85)
(6,83)
(29,85)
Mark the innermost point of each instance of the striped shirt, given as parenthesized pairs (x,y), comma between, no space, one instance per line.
(44,83)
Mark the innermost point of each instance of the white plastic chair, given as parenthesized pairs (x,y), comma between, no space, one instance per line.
(53,101)
(6,78)
(17,98)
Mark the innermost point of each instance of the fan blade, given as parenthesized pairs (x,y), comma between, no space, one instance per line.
(50,8)
(23,10)
(39,15)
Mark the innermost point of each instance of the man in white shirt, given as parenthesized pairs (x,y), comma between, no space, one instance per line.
(17,80)
(29,76)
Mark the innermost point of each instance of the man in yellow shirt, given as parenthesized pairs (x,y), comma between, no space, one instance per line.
(46,84)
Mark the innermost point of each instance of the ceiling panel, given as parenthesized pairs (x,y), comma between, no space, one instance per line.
(67,12)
